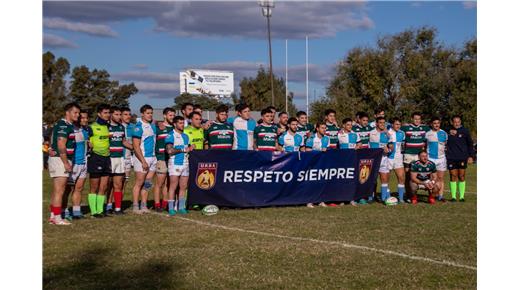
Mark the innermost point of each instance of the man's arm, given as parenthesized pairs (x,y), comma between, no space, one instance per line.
(414,178)
(173,151)
(138,153)
(62,150)
(469,143)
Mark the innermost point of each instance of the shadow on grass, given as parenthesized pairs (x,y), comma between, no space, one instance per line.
(93,270)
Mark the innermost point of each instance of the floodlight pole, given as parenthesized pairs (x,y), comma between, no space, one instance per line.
(267,10)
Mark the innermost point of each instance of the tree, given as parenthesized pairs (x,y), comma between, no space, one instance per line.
(207,103)
(256,92)
(54,89)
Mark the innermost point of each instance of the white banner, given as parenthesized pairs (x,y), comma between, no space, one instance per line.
(206,82)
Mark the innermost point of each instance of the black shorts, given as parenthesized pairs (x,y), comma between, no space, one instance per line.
(457,164)
(98,166)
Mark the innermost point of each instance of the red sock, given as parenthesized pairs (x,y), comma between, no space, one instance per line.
(118,198)
(164,204)
(56,210)
(157,205)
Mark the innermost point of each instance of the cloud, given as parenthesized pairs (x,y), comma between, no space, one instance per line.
(223,19)
(91,29)
(158,90)
(154,77)
(469,4)
(140,66)
(55,41)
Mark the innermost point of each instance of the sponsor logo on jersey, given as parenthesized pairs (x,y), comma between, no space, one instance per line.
(206,175)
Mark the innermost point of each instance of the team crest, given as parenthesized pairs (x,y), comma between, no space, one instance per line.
(365,166)
(206,175)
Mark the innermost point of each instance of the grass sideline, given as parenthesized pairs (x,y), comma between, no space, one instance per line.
(153,251)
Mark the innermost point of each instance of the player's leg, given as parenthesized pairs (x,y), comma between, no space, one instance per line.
(78,190)
(138,185)
(441,166)
(164,204)
(408,181)
(462,181)
(183,185)
(92,196)
(101,197)
(385,193)
(400,174)
(157,190)
(117,181)
(413,191)
(59,184)
(109,193)
(69,188)
(454,178)
(174,182)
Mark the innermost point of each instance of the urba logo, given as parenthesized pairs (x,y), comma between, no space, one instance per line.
(206,175)
(365,166)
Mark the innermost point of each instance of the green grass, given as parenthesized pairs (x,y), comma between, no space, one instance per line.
(158,252)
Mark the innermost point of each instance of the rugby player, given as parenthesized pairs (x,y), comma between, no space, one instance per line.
(205,123)
(318,141)
(332,128)
(264,135)
(379,112)
(362,128)
(99,164)
(348,139)
(414,142)
(395,158)
(423,177)
(118,143)
(186,110)
(60,167)
(243,129)
(178,146)
(290,141)
(144,160)
(304,128)
(163,128)
(283,118)
(219,135)
(380,138)
(436,140)
(195,131)
(459,153)
(126,117)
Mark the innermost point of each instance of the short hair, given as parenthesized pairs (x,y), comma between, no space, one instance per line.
(300,113)
(197,106)
(265,111)
(319,123)
(177,119)
(237,106)
(125,109)
(184,105)
(221,108)
(292,119)
(167,110)
(193,114)
(144,108)
(83,111)
(395,119)
(363,115)
(272,108)
(346,120)
(435,118)
(114,108)
(380,118)
(282,113)
(69,106)
(241,107)
(329,111)
(416,114)
(423,151)
(102,107)
(378,110)
(456,116)
(359,113)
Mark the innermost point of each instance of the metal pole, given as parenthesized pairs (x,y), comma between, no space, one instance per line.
(270,59)
(286,80)
(307,72)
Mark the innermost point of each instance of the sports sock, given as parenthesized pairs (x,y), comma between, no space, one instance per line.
(76,210)
(462,189)
(92,203)
(143,204)
(453,189)
(157,205)
(400,191)
(136,206)
(384,191)
(109,206)
(165,203)
(100,201)
(50,210)
(118,199)
(66,212)
(170,204)
(182,203)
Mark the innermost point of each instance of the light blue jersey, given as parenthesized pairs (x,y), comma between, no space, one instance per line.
(348,140)
(436,144)
(398,137)
(129,129)
(146,132)
(316,143)
(379,139)
(290,143)
(80,151)
(180,141)
(244,131)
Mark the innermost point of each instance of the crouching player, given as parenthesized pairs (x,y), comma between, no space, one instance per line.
(178,146)
(423,176)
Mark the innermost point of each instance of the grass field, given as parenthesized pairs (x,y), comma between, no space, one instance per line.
(289,247)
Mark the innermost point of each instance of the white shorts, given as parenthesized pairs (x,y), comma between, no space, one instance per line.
(410,158)
(118,165)
(384,167)
(56,167)
(395,163)
(138,167)
(78,171)
(128,163)
(178,170)
(440,164)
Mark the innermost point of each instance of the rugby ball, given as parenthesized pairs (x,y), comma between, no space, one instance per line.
(210,210)
(391,201)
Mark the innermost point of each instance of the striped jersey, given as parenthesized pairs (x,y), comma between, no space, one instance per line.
(64,129)
(423,170)
(348,140)
(364,134)
(414,140)
(219,136)
(179,141)
(304,130)
(265,137)
(332,133)
(436,144)
(398,137)
(243,133)
(160,145)
(116,136)
(316,143)
(146,132)
(379,139)
(289,142)
(81,147)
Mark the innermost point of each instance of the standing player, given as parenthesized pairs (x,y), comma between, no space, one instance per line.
(283,118)
(304,128)
(363,129)
(380,138)
(332,128)
(318,141)
(460,152)
(163,129)
(178,146)
(195,131)
(395,159)
(379,112)
(219,135)
(436,140)
(243,127)
(289,140)
(186,110)
(60,167)
(144,161)
(264,135)
(347,139)
(126,117)
(423,177)
(414,143)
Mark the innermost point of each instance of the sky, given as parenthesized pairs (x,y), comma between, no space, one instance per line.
(149,43)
